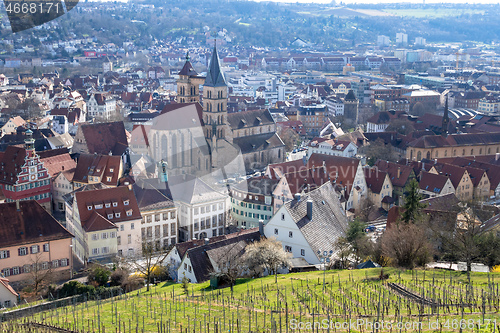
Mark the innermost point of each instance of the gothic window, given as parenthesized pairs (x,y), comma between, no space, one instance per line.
(174,151)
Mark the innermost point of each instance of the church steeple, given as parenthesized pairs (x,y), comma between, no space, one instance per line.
(188,84)
(446,119)
(215,78)
(215,101)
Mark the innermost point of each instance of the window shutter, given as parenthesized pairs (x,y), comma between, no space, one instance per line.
(8,253)
(38,249)
(19,251)
(11,271)
(60,263)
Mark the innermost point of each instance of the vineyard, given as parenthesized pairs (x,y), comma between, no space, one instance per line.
(337,301)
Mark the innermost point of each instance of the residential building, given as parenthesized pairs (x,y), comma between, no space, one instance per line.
(252,201)
(101,105)
(101,138)
(379,187)
(313,117)
(199,262)
(399,175)
(159,215)
(489,104)
(332,147)
(432,184)
(309,224)
(97,168)
(381,120)
(11,125)
(335,106)
(106,222)
(8,296)
(32,239)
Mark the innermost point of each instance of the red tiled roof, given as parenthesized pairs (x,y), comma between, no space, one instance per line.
(118,195)
(405,171)
(105,137)
(58,163)
(374,179)
(432,182)
(5,283)
(98,166)
(30,224)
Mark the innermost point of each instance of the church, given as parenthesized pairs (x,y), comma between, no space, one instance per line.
(197,137)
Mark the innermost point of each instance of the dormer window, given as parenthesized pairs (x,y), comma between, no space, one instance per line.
(117,215)
(98,170)
(115,204)
(111,169)
(89,207)
(110,216)
(98,206)
(108,179)
(126,202)
(107,205)
(129,212)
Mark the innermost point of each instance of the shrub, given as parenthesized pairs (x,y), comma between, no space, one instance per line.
(118,277)
(98,276)
(74,288)
(132,283)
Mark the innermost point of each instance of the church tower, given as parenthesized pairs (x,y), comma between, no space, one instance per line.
(215,102)
(446,119)
(188,84)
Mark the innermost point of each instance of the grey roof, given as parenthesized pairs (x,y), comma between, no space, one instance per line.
(258,185)
(368,264)
(490,224)
(192,190)
(233,245)
(63,140)
(215,78)
(328,222)
(250,118)
(255,143)
(149,197)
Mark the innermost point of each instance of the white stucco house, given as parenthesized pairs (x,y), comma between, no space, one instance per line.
(310,223)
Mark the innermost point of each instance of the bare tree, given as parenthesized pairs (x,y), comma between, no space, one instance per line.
(40,272)
(227,262)
(377,150)
(406,244)
(290,138)
(463,243)
(343,252)
(266,255)
(149,261)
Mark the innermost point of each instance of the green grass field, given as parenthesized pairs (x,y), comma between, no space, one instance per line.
(297,303)
(432,13)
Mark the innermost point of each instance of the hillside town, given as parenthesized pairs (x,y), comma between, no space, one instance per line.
(197,149)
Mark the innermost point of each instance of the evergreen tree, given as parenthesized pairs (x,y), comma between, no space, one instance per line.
(412,208)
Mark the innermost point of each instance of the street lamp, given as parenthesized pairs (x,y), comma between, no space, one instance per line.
(324,258)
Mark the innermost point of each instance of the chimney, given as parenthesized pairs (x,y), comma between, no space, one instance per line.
(206,241)
(62,167)
(261,227)
(309,209)
(497,156)
(129,187)
(17,206)
(297,196)
(399,172)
